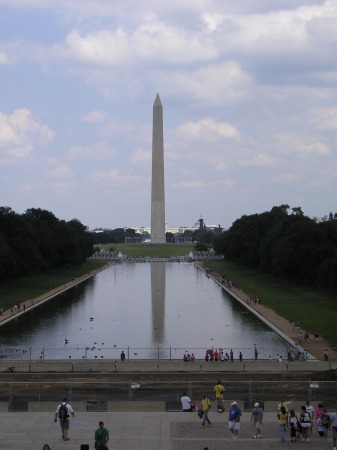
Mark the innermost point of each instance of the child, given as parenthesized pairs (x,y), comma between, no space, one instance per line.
(325,424)
(293,425)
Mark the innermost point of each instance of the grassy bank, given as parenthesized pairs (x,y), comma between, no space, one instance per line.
(150,250)
(315,310)
(33,286)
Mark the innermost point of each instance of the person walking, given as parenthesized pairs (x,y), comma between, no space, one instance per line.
(205,406)
(333,427)
(305,421)
(186,403)
(101,437)
(282,415)
(257,419)
(318,412)
(292,422)
(311,411)
(63,412)
(219,390)
(234,420)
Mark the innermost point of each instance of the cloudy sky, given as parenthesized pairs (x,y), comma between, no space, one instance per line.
(249,95)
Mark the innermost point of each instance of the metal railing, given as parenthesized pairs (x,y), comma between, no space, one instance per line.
(101,352)
(97,394)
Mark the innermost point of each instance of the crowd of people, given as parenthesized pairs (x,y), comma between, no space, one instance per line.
(299,426)
(302,425)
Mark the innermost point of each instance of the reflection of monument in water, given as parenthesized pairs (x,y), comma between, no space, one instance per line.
(158,189)
(158,280)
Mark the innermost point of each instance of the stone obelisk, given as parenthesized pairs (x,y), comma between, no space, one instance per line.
(158,188)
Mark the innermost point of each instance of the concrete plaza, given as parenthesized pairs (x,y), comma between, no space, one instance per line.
(144,431)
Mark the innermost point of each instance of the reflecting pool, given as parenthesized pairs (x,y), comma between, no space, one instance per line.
(149,310)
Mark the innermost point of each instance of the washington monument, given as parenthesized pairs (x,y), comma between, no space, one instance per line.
(158,189)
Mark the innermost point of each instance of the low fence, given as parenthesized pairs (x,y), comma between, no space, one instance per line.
(147,394)
(100,352)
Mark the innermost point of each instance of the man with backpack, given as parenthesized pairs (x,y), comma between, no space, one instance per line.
(63,412)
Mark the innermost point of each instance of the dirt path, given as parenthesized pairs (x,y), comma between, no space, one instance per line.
(315,347)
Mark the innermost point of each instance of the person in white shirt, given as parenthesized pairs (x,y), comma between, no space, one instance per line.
(64,421)
(186,403)
(311,411)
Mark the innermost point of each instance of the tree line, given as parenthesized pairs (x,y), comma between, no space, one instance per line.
(36,241)
(116,236)
(120,235)
(285,243)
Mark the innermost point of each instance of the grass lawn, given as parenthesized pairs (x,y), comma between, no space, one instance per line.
(316,311)
(151,250)
(33,286)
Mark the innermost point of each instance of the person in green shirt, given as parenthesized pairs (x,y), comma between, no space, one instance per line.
(101,437)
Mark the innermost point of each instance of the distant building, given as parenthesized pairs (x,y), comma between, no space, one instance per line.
(199,225)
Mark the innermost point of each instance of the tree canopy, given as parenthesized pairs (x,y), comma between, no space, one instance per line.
(37,241)
(286,244)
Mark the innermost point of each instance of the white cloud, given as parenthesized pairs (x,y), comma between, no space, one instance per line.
(212,21)
(317,148)
(114,176)
(63,187)
(141,156)
(208,129)
(226,183)
(61,171)
(259,160)
(94,117)
(324,118)
(189,185)
(152,41)
(221,165)
(286,178)
(301,144)
(58,169)
(98,150)
(219,83)
(21,133)
(4,58)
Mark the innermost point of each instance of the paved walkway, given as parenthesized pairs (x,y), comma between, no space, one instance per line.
(315,348)
(144,431)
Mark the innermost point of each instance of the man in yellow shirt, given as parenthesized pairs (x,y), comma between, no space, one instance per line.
(219,390)
(205,406)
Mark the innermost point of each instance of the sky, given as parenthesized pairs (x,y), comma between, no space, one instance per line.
(249,94)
